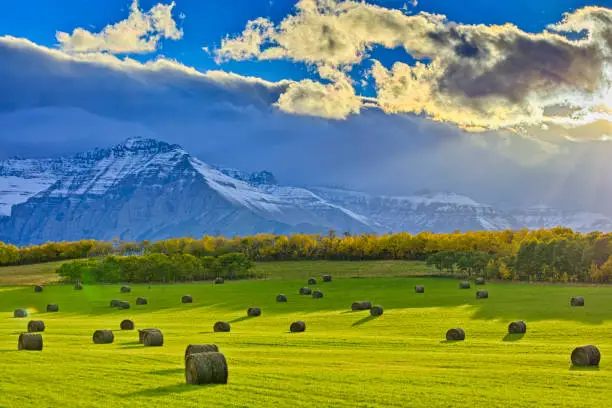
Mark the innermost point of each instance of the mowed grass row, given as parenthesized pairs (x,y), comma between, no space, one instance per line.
(344,359)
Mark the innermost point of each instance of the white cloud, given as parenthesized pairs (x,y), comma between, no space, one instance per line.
(140,33)
(474,76)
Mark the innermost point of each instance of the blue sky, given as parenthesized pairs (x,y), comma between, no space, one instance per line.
(328,92)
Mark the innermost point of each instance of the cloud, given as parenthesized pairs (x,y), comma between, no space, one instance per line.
(140,33)
(474,76)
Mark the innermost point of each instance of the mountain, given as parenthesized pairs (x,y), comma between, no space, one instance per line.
(147,189)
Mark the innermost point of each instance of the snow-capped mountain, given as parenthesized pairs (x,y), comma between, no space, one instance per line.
(147,189)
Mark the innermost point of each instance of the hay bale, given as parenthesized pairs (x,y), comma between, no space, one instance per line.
(115,303)
(200,348)
(480,280)
(586,356)
(305,291)
(52,308)
(38,288)
(103,337)
(577,301)
(464,285)
(154,339)
(187,299)
(36,326)
(455,335)
(517,327)
(19,313)
(297,327)
(125,289)
(127,325)
(30,341)
(482,294)
(376,311)
(78,286)
(327,278)
(124,305)
(206,368)
(281,298)
(361,305)
(141,301)
(312,281)
(221,327)
(254,312)
(419,289)
(143,333)
(219,281)
(317,294)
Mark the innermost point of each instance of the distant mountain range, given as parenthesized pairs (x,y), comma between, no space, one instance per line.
(148,189)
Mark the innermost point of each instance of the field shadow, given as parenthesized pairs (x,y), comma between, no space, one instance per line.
(583,368)
(351,311)
(167,390)
(363,320)
(168,371)
(130,343)
(513,337)
(240,319)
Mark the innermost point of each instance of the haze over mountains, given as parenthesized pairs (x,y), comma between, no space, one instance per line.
(148,189)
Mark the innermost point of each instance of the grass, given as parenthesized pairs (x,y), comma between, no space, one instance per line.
(29,274)
(344,359)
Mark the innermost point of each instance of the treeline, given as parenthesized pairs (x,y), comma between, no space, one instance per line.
(553,254)
(157,268)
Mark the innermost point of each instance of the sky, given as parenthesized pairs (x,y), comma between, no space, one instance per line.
(508,102)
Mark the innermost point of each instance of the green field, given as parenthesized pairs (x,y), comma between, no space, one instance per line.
(344,359)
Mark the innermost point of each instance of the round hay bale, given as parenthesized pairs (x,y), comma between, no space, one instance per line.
(141,301)
(480,280)
(297,327)
(115,303)
(317,294)
(419,289)
(143,333)
(577,301)
(219,281)
(36,326)
(52,308)
(586,356)
(38,288)
(455,335)
(517,327)
(187,299)
(312,281)
(206,368)
(200,348)
(464,285)
(327,278)
(361,305)
(154,339)
(482,294)
(30,341)
(78,286)
(124,305)
(221,327)
(125,289)
(103,337)
(376,311)
(281,298)
(127,325)
(305,291)
(19,313)
(254,312)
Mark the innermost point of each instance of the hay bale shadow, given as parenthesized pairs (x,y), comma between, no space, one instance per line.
(168,371)
(351,311)
(451,341)
(240,319)
(513,336)
(364,320)
(583,368)
(130,343)
(168,389)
